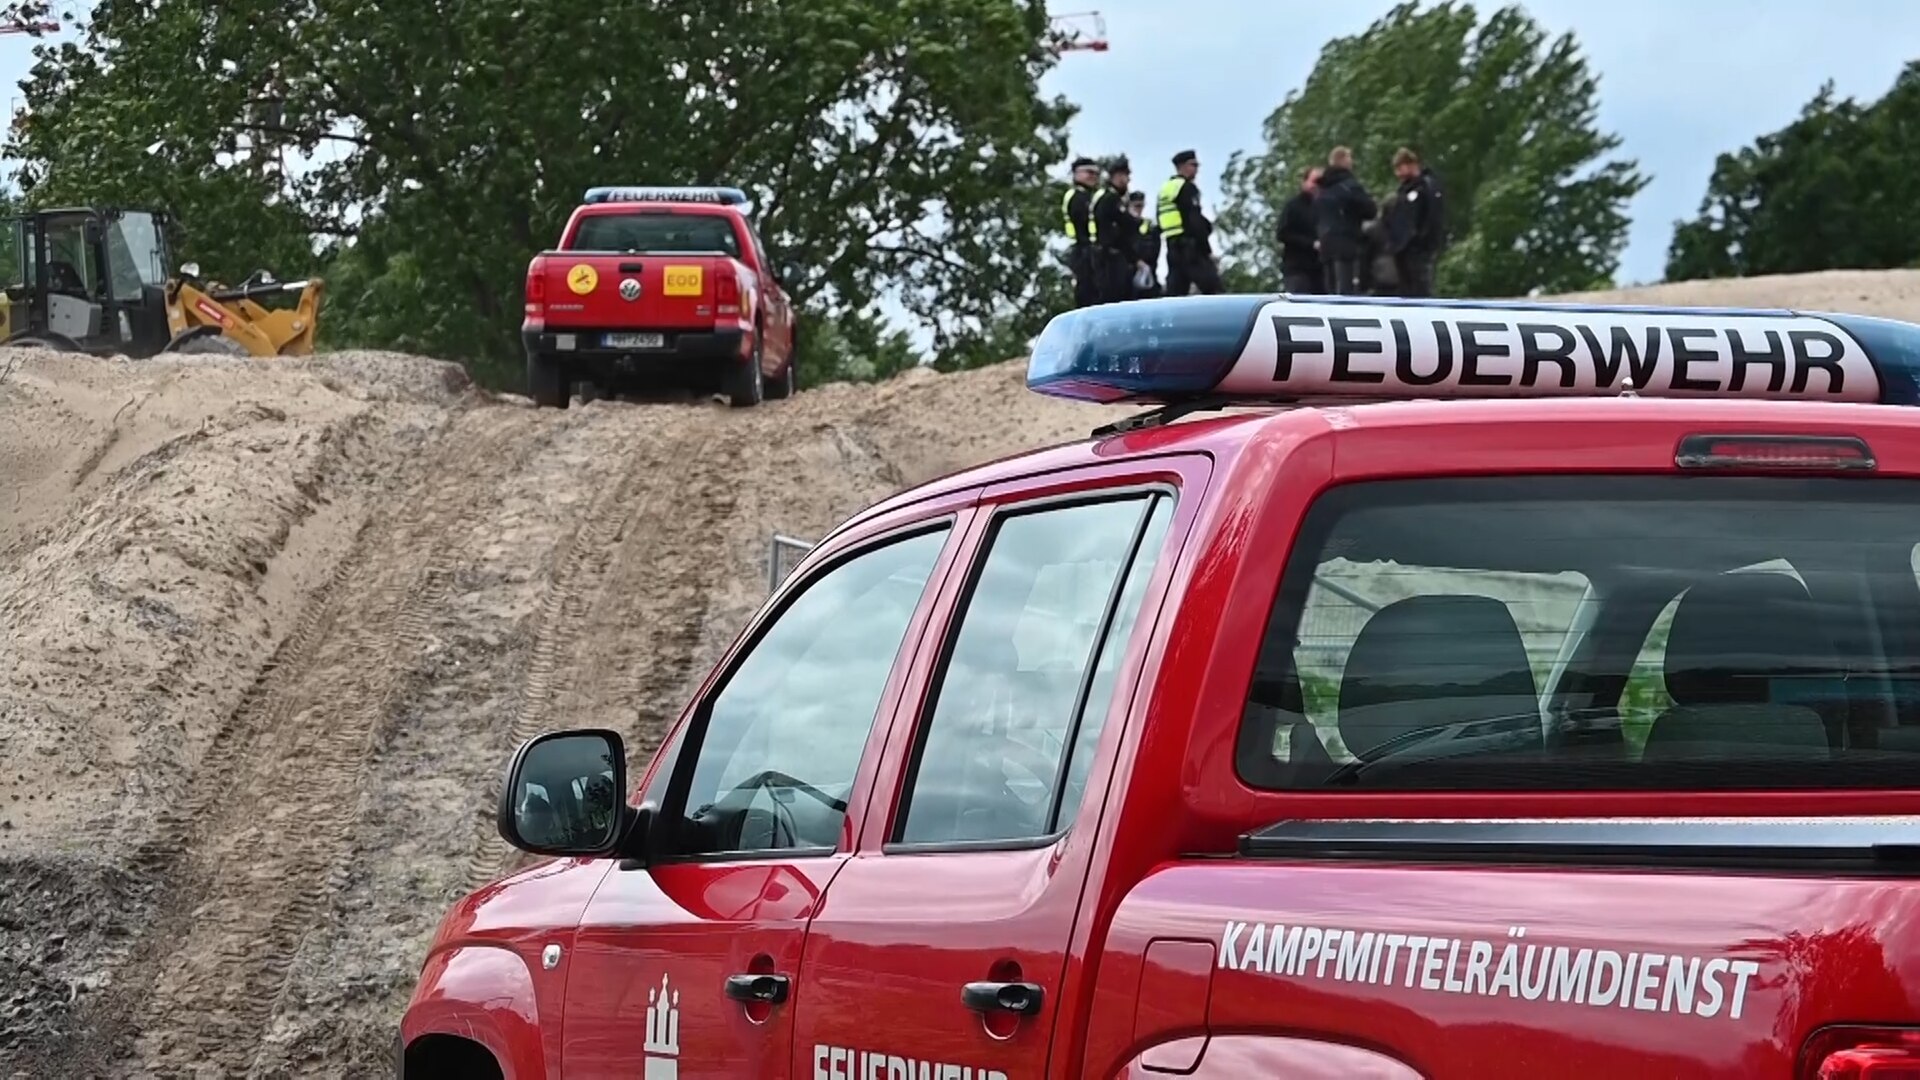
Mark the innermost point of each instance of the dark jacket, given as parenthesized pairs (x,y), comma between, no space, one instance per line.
(1342,206)
(1146,244)
(1079,210)
(1296,234)
(1417,222)
(1118,229)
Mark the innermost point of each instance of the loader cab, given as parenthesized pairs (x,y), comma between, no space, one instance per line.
(88,279)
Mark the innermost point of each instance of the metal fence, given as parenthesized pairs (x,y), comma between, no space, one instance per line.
(783,554)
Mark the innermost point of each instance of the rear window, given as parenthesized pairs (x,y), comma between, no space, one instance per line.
(1569,633)
(656,231)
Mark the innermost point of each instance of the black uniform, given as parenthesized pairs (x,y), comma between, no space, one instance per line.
(1299,262)
(1079,210)
(1113,252)
(1340,209)
(1147,247)
(1187,231)
(1416,231)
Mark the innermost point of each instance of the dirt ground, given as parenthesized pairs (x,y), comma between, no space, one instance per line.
(269,630)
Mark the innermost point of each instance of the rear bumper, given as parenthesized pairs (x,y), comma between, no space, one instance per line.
(695,360)
(585,345)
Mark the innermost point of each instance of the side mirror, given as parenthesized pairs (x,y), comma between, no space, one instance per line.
(190,269)
(566,795)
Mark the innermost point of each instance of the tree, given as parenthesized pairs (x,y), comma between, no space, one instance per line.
(1507,120)
(889,144)
(1834,188)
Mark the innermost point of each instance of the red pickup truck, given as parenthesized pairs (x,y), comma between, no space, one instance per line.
(655,287)
(1558,719)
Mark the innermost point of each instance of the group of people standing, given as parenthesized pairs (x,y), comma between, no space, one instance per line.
(1335,239)
(1116,246)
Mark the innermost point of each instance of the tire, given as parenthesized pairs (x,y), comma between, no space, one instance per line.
(746,386)
(547,382)
(44,340)
(202,343)
(783,387)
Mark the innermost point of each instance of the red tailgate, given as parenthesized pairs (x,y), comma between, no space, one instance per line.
(642,292)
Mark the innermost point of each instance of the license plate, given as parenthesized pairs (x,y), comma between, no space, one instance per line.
(636,341)
(682,280)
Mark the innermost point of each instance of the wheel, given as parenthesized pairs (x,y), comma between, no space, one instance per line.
(782,388)
(547,382)
(746,387)
(205,341)
(46,340)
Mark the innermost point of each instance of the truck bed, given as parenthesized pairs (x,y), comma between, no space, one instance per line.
(1679,947)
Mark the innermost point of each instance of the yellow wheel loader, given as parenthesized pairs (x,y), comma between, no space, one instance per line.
(95,280)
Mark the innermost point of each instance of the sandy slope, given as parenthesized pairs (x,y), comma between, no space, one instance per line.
(268,630)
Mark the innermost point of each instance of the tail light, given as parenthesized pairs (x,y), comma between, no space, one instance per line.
(726,293)
(536,294)
(1862,1053)
(1818,453)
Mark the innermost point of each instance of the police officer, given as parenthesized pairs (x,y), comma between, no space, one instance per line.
(1077,211)
(1116,233)
(1147,247)
(1341,208)
(1186,230)
(1416,224)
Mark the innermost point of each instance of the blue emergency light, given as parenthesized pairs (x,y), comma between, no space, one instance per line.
(728,196)
(1304,350)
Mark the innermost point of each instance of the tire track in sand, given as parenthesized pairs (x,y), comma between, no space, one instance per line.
(261,845)
(620,636)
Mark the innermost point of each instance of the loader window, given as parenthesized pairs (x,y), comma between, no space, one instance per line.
(663,232)
(1594,633)
(134,255)
(70,266)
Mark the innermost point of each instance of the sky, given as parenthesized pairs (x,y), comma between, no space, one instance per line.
(1681,81)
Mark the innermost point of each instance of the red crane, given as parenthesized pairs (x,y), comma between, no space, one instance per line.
(1082,31)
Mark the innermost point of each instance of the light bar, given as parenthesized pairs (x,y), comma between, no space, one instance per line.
(1344,349)
(729,196)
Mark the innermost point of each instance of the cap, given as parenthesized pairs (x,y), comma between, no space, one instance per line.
(1084,163)
(1119,164)
(1136,196)
(1183,157)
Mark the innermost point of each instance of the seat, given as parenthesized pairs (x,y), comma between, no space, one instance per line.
(1454,667)
(1732,640)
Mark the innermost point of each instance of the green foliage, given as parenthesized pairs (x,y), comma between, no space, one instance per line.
(1506,119)
(889,144)
(1835,188)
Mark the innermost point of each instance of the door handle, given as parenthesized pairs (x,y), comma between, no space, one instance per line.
(1020,998)
(753,989)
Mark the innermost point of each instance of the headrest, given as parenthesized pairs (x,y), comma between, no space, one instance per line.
(1430,661)
(1732,635)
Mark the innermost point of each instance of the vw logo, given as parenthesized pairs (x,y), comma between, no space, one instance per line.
(630,289)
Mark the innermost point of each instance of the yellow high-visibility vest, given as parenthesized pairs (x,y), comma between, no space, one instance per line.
(1172,222)
(1066,216)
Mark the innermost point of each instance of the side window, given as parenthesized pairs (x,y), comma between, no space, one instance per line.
(783,736)
(1031,672)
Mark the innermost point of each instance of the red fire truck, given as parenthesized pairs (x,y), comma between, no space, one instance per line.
(1488,690)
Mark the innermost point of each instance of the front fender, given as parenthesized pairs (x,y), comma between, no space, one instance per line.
(1234,1057)
(485,994)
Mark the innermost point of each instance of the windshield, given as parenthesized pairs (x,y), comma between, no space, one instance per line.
(1590,633)
(135,256)
(656,231)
